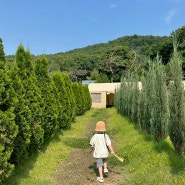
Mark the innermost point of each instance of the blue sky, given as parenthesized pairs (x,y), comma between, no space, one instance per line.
(53,26)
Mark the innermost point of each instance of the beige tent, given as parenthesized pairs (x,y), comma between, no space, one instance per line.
(102,94)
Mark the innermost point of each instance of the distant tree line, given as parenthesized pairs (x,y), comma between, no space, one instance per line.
(156,106)
(34,105)
(108,62)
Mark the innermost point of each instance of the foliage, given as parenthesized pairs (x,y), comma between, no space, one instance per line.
(159,124)
(120,53)
(146,105)
(65,113)
(82,98)
(112,59)
(87,98)
(22,120)
(33,95)
(102,78)
(78,100)
(8,128)
(33,107)
(71,104)
(177,104)
(48,91)
(180,36)
(151,106)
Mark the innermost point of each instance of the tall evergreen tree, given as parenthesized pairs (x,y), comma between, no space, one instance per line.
(80,98)
(2,54)
(71,103)
(135,93)
(176,105)
(149,98)
(63,98)
(8,128)
(88,100)
(22,120)
(33,95)
(76,90)
(160,106)
(48,91)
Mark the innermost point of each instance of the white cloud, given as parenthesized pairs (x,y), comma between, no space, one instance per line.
(170,16)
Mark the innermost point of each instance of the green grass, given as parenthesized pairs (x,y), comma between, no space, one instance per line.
(40,168)
(146,162)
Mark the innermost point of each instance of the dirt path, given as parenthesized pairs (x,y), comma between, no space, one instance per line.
(80,168)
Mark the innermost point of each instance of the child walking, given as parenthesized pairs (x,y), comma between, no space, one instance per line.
(101,146)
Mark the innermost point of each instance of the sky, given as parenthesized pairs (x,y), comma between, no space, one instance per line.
(54,26)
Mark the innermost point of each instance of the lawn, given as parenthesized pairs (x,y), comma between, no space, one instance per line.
(146,162)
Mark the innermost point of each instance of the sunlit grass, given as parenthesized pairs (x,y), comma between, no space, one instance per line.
(146,161)
(39,168)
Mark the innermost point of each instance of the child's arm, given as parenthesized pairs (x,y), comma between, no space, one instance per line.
(92,149)
(111,150)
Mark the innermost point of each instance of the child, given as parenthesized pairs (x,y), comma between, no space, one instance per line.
(100,146)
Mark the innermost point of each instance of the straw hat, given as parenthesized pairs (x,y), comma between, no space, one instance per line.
(100,126)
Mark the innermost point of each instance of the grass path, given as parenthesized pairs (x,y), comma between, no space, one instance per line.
(146,162)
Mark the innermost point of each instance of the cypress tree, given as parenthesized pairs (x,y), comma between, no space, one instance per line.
(76,90)
(122,95)
(22,120)
(62,97)
(149,98)
(82,97)
(160,106)
(70,103)
(141,105)
(8,128)
(88,100)
(33,96)
(135,98)
(176,105)
(48,91)
(2,54)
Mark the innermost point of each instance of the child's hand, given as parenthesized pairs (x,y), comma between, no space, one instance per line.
(112,152)
(91,151)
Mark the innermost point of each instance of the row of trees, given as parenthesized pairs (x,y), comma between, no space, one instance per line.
(107,62)
(33,106)
(156,105)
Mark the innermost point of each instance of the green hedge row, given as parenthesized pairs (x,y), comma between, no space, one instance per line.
(33,106)
(155,103)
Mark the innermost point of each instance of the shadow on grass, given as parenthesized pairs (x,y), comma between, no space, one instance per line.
(94,168)
(81,143)
(22,171)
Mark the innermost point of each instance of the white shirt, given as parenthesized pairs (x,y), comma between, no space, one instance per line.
(100,143)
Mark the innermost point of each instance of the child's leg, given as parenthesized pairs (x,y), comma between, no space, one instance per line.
(100,170)
(100,166)
(105,165)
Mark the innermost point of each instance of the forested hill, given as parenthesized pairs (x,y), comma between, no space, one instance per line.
(105,62)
